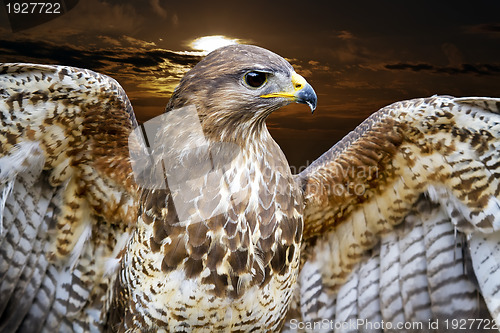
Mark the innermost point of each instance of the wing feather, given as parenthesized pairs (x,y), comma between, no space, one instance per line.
(368,289)
(413,273)
(347,306)
(391,210)
(485,253)
(67,195)
(391,301)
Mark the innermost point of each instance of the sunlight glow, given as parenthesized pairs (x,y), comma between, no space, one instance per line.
(209,43)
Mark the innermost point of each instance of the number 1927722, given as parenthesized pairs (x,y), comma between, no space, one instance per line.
(33,8)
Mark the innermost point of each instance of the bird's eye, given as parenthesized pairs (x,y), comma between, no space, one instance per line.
(255,79)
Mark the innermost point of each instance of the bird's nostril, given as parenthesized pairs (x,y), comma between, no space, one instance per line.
(298,86)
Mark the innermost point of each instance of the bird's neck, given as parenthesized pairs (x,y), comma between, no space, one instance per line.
(244,130)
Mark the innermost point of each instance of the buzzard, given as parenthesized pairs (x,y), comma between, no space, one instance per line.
(204,228)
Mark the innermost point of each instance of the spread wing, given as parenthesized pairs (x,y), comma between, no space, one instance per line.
(67,199)
(402,218)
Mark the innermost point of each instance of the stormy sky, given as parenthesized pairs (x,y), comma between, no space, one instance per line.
(358,55)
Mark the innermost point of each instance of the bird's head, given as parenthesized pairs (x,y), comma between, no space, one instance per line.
(236,87)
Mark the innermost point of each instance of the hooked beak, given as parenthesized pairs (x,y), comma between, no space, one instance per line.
(302,92)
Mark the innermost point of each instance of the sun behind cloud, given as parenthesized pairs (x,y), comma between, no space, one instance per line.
(209,43)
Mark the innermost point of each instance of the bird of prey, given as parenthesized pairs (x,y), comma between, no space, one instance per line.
(204,227)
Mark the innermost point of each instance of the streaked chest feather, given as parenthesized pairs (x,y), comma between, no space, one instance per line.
(225,248)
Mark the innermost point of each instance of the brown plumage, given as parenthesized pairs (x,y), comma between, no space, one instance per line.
(208,230)
(245,253)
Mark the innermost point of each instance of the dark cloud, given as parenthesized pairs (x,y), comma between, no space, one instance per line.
(180,59)
(415,68)
(11,50)
(45,52)
(477,69)
(491,30)
(491,27)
